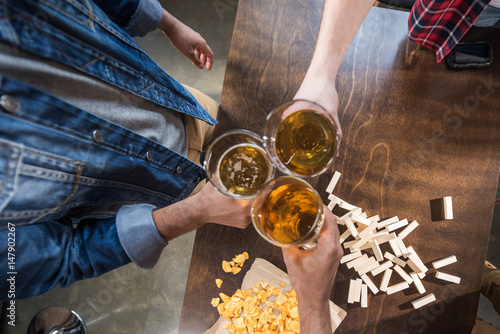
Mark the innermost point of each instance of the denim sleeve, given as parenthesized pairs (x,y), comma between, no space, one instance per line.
(136,17)
(54,253)
(138,235)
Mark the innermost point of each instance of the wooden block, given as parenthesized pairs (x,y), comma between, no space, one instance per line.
(333,182)
(371,260)
(363,220)
(357,290)
(331,205)
(385,280)
(368,229)
(383,238)
(447,207)
(345,235)
(334,198)
(423,301)
(352,287)
(364,215)
(448,277)
(359,260)
(397,225)
(370,284)
(375,218)
(402,247)
(344,205)
(361,242)
(413,257)
(420,275)
(395,247)
(444,262)
(418,283)
(408,229)
(368,268)
(387,222)
(364,295)
(376,250)
(350,257)
(395,259)
(397,287)
(383,267)
(403,274)
(350,225)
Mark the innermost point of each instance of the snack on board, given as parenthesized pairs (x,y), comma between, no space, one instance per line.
(234,266)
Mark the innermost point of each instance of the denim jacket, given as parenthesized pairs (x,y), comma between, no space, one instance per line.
(76,191)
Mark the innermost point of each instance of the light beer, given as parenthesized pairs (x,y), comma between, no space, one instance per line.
(244,169)
(305,142)
(289,212)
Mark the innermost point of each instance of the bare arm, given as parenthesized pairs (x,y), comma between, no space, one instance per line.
(312,273)
(187,41)
(339,24)
(207,206)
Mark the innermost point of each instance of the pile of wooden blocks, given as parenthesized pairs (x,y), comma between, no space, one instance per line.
(368,233)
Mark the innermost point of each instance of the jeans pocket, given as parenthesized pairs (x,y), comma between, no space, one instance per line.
(38,187)
(9,161)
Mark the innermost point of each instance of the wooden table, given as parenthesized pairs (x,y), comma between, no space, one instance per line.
(414,131)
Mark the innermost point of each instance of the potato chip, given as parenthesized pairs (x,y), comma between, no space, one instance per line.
(218,282)
(215,302)
(282,284)
(226,266)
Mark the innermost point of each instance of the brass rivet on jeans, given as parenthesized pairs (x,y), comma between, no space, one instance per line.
(97,135)
(9,103)
(179,169)
(149,156)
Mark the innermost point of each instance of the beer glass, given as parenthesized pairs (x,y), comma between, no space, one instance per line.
(301,138)
(288,212)
(237,164)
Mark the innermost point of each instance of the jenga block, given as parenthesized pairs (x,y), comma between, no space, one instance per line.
(444,262)
(376,250)
(385,280)
(383,238)
(402,247)
(368,229)
(350,257)
(364,295)
(423,301)
(387,222)
(395,259)
(375,218)
(357,290)
(361,242)
(448,277)
(413,257)
(367,268)
(352,288)
(418,283)
(403,274)
(397,225)
(408,229)
(366,263)
(345,235)
(395,247)
(358,261)
(448,207)
(370,284)
(397,287)
(383,267)
(363,220)
(350,225)
(333,182)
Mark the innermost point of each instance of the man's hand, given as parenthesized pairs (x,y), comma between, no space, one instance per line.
(312,273)
(187,41)
(207,206)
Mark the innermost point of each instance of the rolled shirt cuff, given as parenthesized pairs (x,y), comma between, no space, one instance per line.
(146,18)
(139,236)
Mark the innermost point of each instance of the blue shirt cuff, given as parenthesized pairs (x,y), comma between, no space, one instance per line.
(146,18)
(138,235)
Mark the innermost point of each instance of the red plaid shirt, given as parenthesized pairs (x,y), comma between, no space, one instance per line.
(440,24)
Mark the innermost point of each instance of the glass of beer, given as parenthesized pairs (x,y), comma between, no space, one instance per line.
(288,212)
(237,164)
(301,137)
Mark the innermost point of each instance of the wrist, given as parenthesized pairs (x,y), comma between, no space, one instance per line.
(167,22)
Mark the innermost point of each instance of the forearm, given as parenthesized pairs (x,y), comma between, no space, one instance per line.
(339,24)
(177,219)
(314,316)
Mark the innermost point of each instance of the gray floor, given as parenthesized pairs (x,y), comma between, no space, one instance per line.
(129,300)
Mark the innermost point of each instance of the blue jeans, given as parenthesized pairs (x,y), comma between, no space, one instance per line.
(488,18)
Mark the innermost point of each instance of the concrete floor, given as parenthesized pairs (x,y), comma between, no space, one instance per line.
(130,300)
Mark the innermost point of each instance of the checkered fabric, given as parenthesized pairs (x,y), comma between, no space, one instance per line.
(440,24)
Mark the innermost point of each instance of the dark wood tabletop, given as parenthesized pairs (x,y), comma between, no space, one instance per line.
(414,131)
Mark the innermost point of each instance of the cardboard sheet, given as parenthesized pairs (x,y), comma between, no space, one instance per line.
(263,270)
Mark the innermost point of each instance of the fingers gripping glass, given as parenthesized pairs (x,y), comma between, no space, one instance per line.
(237,164)
(288,212)
(301,137)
